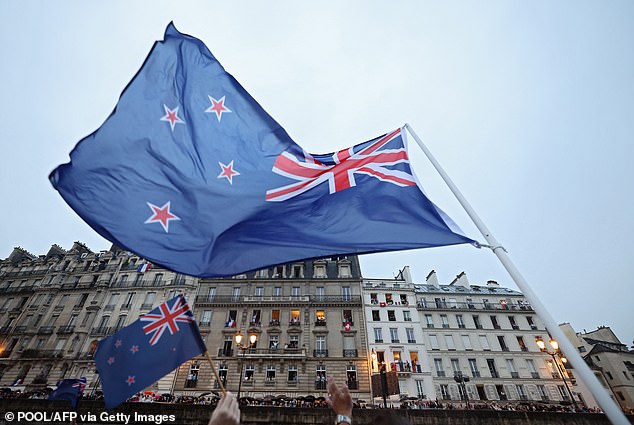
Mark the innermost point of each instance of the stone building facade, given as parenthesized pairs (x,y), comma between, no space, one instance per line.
(432,334)
(308,320)
(54,309)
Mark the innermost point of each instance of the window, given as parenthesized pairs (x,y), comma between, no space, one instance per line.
(351,375)
(388,299)
(158,278)
(320,374)
(473,367)
(129,298)
(320,345)
(520,392)
(391,316)
(492,369)
(378,335)
(460,321)
(429,320)
(494,322)
(440,371)
(433,342)
(513,323)
(407,316)
(345,293)
(256,318)
(278,271)
(295,291)
(320,318)
(455,365)
(510,365)
(149,299)
(476,322)
(249,373)
(520,342)
(347,317)
(344,271)
(120,321)
(444,391)
(484,343)
(113,301)
(292,373)
(444,320)
(294,318)
(319,271)
(259,291)
(374,298)
(466,342)
(609,375)
(205,318)
(293,342)
(235,294)
(502,342)
(450,342)
(320,293)
(72,320)
(62,301)
(211,294)
(562,393)
(222,373)
(410,335)
(277,291)
(530,322)
(262,274)
(420,389)
(270,373)
(297,271)
(404,300)
(531,368)
(376,316)
(231,319)
(275,318)
(104,322)
(394,335)
(274,342)
(542,392)
(192,376)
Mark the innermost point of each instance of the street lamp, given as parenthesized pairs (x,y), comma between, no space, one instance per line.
(252,339)
(383,376)
(555,354)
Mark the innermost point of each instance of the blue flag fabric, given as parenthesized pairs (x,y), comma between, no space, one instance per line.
(148,349)
(70,390)
(192,174)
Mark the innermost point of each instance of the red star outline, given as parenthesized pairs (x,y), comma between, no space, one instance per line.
(171,116)
(227,171)
(110,360)
(130,380)
(217,107)
(134,349)
(161,215)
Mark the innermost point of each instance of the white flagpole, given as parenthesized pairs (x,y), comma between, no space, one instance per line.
(609,406)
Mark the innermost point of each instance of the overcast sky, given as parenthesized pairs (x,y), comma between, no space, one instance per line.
(529,106)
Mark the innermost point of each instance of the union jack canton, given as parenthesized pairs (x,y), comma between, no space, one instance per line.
(167,318)
(339,168)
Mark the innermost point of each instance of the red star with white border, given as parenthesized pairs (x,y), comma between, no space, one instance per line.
(118,343)
(171,116)
(110,360)
(130,380)
(134,349)
(161,215)
(217,107)
(227,171)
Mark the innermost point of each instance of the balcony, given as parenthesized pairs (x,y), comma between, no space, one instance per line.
(294,323)
(19,330)
(66,330)
(225,352)
(349,322)
(101,331)
(440,373)
(269,382)
(34,354)
(494,374)
(535,375)
(320,385)
(515,375)
(350,353)
(320,353)
(125,307)
(353,385)
(475,373)
(443,305)
(320,323)
(46,330)
(109,307)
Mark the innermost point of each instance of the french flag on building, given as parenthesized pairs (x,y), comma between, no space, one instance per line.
(144,267)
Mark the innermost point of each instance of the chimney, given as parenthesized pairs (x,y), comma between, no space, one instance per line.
(461,280)
(432,279)
(406,275)
(492,284)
